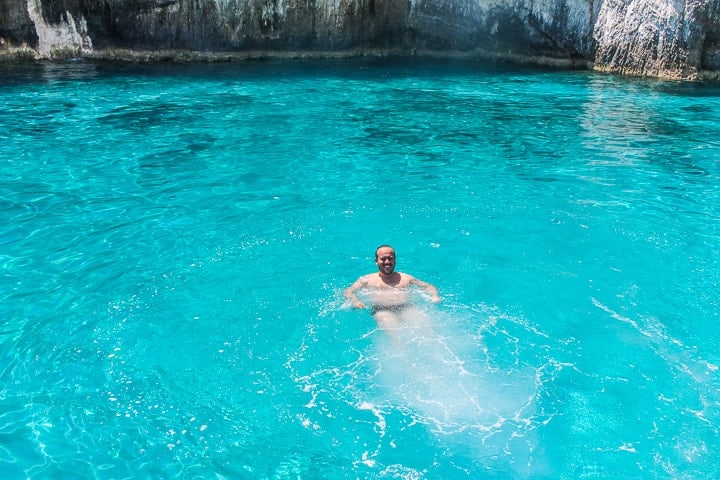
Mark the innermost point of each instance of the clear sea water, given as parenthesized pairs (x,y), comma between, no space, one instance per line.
(175,240)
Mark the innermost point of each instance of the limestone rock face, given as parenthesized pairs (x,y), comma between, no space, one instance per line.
(676,38)
(555,28)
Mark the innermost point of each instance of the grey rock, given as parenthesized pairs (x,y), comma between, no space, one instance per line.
(660,38)
(667,38)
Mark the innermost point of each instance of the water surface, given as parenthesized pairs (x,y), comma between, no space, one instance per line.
(175,241)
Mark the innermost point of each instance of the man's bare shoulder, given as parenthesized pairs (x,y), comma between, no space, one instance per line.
(369,280)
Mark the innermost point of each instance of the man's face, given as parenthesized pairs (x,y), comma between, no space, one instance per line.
(385,260)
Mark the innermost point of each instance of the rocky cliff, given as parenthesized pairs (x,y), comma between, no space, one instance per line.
(672,38)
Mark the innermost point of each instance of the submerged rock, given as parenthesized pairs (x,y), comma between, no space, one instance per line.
(671,38)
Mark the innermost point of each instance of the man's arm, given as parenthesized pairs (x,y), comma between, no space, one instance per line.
(434,297)
(350,292)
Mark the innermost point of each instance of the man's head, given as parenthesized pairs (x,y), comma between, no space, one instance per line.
(385,259)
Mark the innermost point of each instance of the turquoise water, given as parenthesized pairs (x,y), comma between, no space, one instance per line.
(175,241)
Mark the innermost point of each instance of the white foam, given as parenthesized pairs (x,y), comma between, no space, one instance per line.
(452,370)
(434,369)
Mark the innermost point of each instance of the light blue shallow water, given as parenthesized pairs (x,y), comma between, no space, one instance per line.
(174,242)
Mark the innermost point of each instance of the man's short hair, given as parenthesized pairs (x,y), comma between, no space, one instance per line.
(383,246)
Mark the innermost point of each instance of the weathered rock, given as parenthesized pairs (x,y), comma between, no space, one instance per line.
(16,27)
(660,38)
(676,38)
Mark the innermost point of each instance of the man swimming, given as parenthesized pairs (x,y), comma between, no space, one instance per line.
(388,290)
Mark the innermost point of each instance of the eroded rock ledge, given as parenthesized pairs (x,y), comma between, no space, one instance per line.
(664,38)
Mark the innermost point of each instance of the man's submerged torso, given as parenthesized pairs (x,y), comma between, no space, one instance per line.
(388,298)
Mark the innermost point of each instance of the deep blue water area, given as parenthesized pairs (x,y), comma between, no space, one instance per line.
(175,241)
